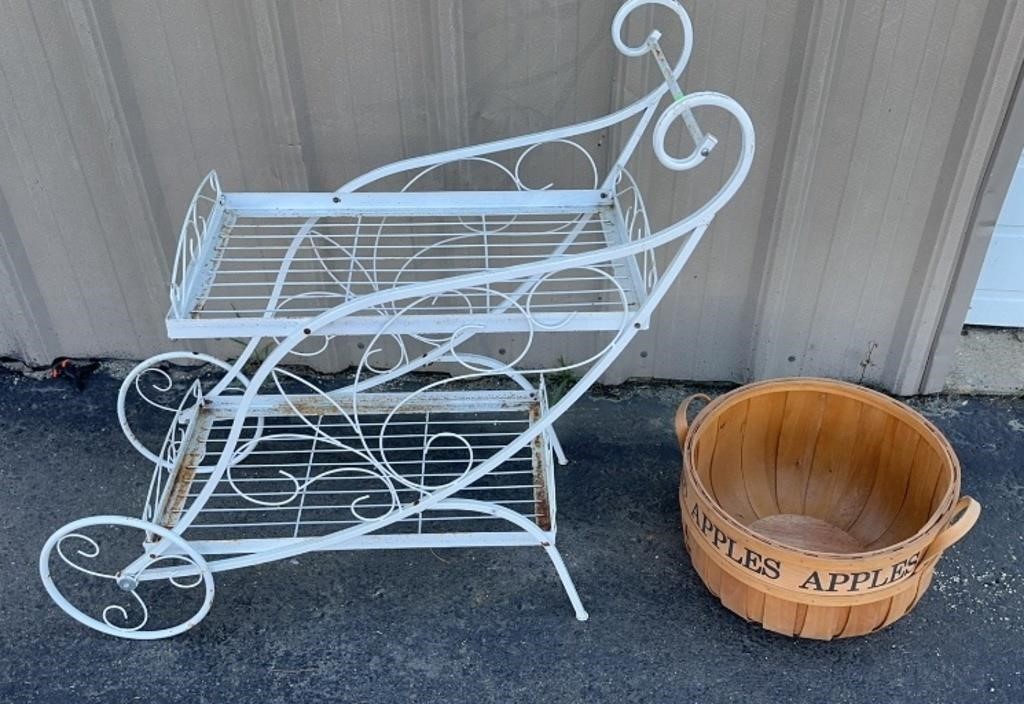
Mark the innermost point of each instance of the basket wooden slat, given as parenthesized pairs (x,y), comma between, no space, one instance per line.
(817,508)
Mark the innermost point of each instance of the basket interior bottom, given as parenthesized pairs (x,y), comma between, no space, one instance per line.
(807,533)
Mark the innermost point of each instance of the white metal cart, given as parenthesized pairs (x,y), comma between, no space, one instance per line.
(269,465)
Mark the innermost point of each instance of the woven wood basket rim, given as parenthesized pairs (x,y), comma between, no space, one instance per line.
(916,543)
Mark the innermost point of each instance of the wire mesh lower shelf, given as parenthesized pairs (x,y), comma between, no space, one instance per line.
(313,472)
(308,466)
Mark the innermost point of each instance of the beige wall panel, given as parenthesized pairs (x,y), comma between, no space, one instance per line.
(110,113)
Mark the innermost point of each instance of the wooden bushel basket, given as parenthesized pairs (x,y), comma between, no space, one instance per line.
(817,508)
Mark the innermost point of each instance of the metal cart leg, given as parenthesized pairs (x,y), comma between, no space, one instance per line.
(567,583)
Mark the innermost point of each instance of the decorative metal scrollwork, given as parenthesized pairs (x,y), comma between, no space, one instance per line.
(196,231)
(450,313)
(155,387)
(165,556)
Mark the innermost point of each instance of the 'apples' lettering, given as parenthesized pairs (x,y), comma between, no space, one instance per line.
(854,581)
(743,556)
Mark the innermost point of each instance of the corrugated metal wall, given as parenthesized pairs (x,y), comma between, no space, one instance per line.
(835,259)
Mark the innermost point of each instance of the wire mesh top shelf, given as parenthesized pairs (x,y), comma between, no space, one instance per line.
(257,263)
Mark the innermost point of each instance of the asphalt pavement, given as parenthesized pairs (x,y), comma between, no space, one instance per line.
(489,625)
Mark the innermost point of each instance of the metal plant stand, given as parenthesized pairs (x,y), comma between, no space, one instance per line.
(270,465)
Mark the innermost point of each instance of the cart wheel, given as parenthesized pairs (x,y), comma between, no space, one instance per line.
(137,558)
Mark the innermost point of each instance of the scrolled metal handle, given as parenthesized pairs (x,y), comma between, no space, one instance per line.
(731,185)
(746,156)
(645,46)
(680,108)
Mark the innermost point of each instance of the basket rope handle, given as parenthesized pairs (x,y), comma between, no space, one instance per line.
(965,515)
(682,423)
